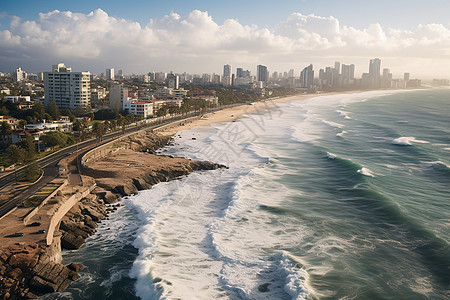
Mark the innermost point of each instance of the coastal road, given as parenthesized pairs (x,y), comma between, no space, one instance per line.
(50,162)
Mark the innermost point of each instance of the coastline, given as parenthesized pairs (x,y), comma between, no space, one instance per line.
(114,182)
(230,114)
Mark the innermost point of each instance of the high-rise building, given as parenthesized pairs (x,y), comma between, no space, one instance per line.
(386,79)
(307,77)
(68,89)
(173,81)
(118,93)
(374,72)
(110,74)
(19,75)
(226,78)
(291,73)
(348,74)
(261,73)
(406,77)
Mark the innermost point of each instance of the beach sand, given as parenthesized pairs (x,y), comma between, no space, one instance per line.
(230,114)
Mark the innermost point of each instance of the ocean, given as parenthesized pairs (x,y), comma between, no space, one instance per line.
(341,196)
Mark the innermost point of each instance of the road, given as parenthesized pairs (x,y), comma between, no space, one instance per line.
(49,163)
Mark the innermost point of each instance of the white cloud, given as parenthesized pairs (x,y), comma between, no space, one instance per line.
(196,43)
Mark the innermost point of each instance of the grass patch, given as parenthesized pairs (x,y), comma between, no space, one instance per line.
(41,195)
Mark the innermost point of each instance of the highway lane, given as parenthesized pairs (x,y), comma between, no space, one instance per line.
(49,164)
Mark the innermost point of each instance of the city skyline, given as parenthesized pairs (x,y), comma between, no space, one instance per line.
(197,41)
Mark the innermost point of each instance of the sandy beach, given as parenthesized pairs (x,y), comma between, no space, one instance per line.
(230,114)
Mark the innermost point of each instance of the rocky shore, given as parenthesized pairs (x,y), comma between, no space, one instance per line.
(29,270)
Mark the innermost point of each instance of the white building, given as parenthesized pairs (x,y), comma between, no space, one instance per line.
(68,89)
(118,93)
(61,125)
(17,99)
(110,74)
(19,75)
(144,109)
(226,78)
(173,81)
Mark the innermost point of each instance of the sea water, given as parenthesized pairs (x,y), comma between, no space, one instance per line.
(341,196)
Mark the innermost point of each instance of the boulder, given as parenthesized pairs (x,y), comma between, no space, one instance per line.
(76,267)
(42,286)
(71,242)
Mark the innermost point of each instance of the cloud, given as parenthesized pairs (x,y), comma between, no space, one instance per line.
(196,43)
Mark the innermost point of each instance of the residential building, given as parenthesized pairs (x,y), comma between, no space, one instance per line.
(348,74)
(17,99)
(173,81)
(19,75)
(261,73)
(307,77)
(118,93)
(140,108)
(13,122)
(110,74)
(227,78)
(97,95)
(374,73)
(68,89)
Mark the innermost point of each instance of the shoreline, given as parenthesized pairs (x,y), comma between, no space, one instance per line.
(127,170)
(233,113)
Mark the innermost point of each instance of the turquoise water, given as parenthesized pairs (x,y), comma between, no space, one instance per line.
(335,197)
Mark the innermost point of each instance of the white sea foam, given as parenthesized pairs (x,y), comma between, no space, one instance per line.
(331,155)
(332,124)
(344,114)
(341,134)
(437,163)
(366,172)
(407,141)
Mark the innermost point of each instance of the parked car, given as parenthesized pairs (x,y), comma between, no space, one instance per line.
(35,224)
(17,234)
(41,231)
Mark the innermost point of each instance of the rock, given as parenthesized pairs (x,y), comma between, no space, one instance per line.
(24,261)
(76,267)
(30,295)
(42,286)
(96,216)
(70,242)
(15,273)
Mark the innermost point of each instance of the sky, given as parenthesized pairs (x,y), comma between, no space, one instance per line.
(200,36)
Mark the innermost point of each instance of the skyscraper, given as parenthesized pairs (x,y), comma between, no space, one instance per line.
(110,74)
(19,75)
(374,73)
(226,78)
(291,73)
(307,77)
(68,89)
(261,73)
(348,74)
(172,81)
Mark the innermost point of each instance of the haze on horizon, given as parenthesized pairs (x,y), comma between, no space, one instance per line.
(198,41)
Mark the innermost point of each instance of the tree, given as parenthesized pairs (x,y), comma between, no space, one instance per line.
(32,173)
(16,154)
(5,129)
(22,123)
(27,143)
(81,125)
(4,111)
(99,129)
(39,111)
(53,110)
(54,138)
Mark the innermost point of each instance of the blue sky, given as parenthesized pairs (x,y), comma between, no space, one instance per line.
(405,14)
(409,36)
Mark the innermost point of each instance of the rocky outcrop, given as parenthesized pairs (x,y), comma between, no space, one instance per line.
(27,271)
